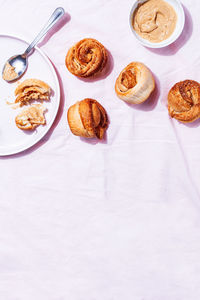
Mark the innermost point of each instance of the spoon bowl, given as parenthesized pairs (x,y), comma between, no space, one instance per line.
(16,65)
(19,64)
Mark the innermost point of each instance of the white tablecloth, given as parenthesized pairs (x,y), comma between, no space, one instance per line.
(114,220)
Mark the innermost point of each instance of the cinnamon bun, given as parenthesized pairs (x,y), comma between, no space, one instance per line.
(86,58)
(184,101)
(87,118)
(135,83)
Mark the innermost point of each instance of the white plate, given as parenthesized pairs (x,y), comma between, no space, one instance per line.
(12,139)
(176,4)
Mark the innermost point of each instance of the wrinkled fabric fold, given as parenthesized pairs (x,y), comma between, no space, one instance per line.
(112,219)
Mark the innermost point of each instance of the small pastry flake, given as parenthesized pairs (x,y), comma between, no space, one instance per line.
(86,58)
(32,89)
(135,83)
(31,117)
(184,101)
(88,118)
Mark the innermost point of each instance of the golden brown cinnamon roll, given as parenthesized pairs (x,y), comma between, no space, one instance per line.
(87,118)
(86,58)
(135,83)
(184,101)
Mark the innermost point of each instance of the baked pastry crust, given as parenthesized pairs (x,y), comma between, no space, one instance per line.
(135,83)
(86,58)
(31,117)
(184,101)
(87,118)
(32,89)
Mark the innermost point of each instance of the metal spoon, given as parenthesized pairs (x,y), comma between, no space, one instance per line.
(19,63)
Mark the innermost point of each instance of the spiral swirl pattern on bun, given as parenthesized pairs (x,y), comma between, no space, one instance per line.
(135,83)
(184,101)
(86,58)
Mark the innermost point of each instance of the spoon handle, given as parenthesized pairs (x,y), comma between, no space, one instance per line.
(57,14)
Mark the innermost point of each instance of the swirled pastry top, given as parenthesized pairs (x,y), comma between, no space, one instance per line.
(86,58)
(184,101)
(87,118)
(154,20)
(135,83)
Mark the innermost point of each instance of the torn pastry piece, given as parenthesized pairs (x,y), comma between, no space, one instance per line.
(135,83)
(32,89)
(184,101)
(31,117)
(88,118)
(86,58)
